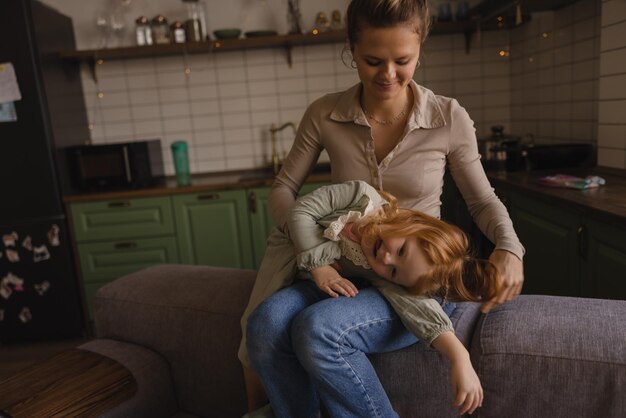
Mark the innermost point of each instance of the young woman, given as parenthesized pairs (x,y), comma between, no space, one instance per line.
(399,137)
(369,237)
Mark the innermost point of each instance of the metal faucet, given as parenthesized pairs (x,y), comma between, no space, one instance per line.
(275,157)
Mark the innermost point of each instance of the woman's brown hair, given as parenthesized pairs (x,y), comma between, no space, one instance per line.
(385,14)
(455,273)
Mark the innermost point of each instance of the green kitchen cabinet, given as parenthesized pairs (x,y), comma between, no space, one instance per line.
(102,262)
(550,234)
(604,260)
(122,218)
(261,221)
(213,228)
(121,236)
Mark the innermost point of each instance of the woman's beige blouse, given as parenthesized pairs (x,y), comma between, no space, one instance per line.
(439,132)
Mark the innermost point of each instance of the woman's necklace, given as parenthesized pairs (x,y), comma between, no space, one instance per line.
(386,122)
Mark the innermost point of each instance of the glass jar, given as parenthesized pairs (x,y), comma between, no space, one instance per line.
(143,33)
(195,25)
(160,30)
(177,30)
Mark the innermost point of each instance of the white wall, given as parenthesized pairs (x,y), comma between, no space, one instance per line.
(612,91)
(554,74)
(547,87)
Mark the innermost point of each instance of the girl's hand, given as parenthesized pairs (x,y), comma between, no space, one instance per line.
(468,394)
(512,271)
(466,387)
(329,281)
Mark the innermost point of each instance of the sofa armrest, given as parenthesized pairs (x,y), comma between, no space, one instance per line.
(190,316)
(155,392)
(552,356)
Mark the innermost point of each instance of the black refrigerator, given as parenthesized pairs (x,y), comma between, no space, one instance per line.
(40,297)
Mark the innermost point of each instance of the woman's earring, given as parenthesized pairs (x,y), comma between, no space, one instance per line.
(418,63)
(353,64)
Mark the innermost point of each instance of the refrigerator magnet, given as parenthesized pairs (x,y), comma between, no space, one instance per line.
(5,289)
(42,287)
(25,315)
(10,239)
(18,283)
(40,253)
(12,255)
(53,235)
(28,243)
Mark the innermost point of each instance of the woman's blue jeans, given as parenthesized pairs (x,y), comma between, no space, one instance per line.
(303,343)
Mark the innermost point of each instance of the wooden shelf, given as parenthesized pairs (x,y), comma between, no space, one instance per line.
(278,41)
(482,15)
(96,56)
(284,41)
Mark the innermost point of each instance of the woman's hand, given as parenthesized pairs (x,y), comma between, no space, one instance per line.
(466,386)
(512,271)
(329,281)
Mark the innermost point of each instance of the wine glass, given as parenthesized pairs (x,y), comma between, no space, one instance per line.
(102,23)
(117,25)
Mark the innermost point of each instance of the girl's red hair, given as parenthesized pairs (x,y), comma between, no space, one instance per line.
(455,273)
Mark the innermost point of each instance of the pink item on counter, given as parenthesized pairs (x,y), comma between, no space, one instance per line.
(564,180)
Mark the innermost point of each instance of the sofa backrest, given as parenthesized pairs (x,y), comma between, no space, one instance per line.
(190,316)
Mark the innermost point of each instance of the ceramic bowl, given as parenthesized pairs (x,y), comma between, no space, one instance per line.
(258,33)
(227,33)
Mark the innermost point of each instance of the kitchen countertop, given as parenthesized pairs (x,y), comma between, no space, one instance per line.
(200,183)
(607,202)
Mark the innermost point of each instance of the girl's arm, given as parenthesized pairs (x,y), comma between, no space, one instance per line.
(311,247)
(328,279)
(465,381)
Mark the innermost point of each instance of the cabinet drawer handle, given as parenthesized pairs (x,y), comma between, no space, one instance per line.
(212,196)
(252,202)
(582,241)
(123,204)
(125,245)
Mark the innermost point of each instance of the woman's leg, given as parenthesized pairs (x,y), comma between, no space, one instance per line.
(287,384)
(331,339)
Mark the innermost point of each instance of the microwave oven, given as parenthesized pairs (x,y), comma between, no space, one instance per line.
(116,166)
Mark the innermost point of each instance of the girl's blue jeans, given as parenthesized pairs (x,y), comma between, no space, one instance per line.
(304,344)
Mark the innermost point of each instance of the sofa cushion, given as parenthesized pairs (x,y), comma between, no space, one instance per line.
(556,357)
(155,391)
(190,316)
(417,378)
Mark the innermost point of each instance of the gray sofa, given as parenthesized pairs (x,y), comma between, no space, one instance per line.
(177,329)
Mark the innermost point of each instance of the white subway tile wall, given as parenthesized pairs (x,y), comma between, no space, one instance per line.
(544,85)
(223,106)
(612,90)
(555,61)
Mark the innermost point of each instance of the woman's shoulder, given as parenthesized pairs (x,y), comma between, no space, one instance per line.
(446,104)
(335,101)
